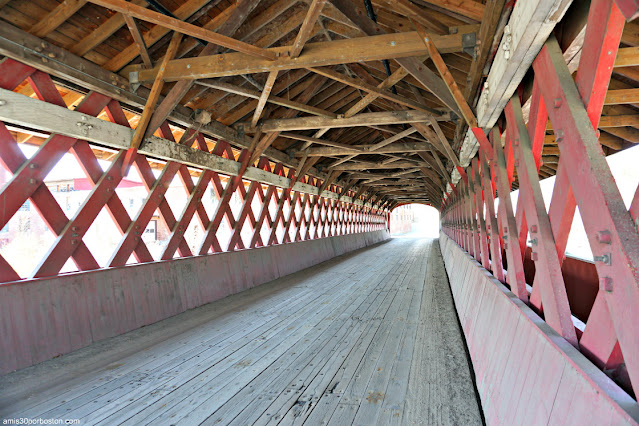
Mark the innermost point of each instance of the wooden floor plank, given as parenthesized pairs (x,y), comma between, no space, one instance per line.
(294,379)
(367,338)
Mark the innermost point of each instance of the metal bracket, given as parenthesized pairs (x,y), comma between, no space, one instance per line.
(469,42)
(240,130)
(134,81)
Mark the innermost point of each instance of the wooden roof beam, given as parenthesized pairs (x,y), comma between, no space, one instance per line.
(138,40)
(376,91)
(417,69)
(387,46)
(365,119)
(307,26)
(183,27)
(238,15)
(364,149)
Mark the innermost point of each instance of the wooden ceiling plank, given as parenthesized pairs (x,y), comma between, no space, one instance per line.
(627,57)
(104,31)
(622,96)
(56,17)
(469,8)
(408,9)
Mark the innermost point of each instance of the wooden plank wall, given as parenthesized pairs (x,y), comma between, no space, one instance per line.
(526,373)
(43,318)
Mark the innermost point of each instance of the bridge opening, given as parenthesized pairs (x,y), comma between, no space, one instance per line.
(414,221)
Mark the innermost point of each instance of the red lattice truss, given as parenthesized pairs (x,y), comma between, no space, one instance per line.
(611,335)
(301,216)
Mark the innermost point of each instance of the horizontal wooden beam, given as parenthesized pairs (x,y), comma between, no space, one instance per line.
(365,149)
(318,141)
(254,94)
(365,165)
(365,119)
(18,109)
(387,46)
(622,96)
(627,57)
(608,121)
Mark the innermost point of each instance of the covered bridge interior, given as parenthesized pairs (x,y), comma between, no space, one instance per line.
(196,197)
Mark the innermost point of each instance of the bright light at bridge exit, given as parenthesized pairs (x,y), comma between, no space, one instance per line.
(415,221)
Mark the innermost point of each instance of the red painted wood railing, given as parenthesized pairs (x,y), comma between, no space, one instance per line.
(297,216)
(610,337)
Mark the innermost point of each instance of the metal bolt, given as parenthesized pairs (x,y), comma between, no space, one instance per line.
(534,256)
(505,230)
(32,181)
(3,103)
(74,241)
(33,166)
(533,241)
(604,237)
(75,234)
(559,135)
(557,102)
(109,177)
(517,142)
(533,229)
(392,43)
(505,245)
(74,228)
(605,283)
(606,258)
